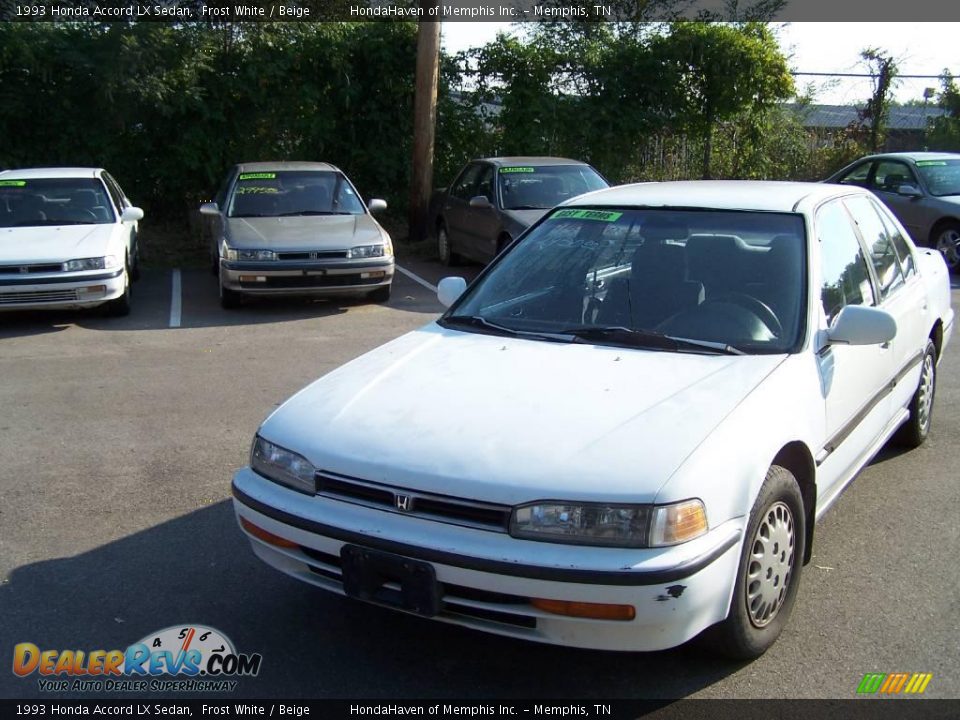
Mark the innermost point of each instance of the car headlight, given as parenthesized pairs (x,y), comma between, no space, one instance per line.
(366,251)
(612,525)
(106,262)
(283,466)
(255,255)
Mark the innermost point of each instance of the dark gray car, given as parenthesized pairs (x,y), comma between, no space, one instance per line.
(495,199)
(923,191)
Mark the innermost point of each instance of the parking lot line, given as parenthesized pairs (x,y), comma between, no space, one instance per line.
(175,300)
(416,278)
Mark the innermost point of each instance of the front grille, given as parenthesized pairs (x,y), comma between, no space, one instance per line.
(28,269)
(311,281)
(318,255)
(457,511)
(38,296)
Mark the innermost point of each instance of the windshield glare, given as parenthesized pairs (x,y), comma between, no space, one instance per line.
(544,187)
(733,278)
(293,192)
(941,176)
(54,201)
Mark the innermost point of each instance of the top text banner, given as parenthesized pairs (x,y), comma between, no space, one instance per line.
(186,11)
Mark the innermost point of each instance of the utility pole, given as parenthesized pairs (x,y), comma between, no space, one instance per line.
(424,119)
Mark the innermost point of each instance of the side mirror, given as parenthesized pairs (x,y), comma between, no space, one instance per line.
(209,208)
(481,202)
(909,191)
(131,214)
(449,289)
(376,206)
(859,325)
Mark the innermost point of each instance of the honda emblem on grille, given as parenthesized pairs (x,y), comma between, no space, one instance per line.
(24,269)
(404,503)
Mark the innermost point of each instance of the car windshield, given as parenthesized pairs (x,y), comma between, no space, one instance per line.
(35,202)
(536,187)
(278,193)
(675,280)
(941,176)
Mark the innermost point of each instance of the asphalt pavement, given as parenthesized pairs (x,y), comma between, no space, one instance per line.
(118,438)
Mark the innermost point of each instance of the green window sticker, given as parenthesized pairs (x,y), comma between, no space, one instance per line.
(601,215)
(517,170)
(258,176)
(928,163)
(13,183)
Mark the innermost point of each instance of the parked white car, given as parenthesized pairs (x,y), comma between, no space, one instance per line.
(68,239)
(622,434)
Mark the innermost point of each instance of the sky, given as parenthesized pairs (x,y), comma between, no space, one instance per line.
(919,48)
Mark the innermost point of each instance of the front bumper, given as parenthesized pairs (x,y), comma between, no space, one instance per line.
(488,578)
(60,290)
(334,277)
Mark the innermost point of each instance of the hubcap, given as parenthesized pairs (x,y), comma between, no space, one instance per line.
(770,565)
(949,246)
(925,398)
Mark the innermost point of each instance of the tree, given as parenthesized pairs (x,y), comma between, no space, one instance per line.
(874,114)
(720,72)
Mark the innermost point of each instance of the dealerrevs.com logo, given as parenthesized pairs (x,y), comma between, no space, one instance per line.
(187,658)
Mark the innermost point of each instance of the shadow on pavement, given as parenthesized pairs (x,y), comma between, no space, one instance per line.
(199,569)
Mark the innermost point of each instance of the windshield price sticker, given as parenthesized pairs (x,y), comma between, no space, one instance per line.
(517,170)
(601,215)
(928,163)
(258,176)
(13,183)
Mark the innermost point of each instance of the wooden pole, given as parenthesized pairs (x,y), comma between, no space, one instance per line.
(424,121)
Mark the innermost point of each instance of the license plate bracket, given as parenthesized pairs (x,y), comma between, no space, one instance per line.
(388,579)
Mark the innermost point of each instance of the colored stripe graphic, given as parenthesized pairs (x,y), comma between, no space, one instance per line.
(894,683)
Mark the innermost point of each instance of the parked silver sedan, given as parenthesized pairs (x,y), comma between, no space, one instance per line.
(923,191)
(296,228)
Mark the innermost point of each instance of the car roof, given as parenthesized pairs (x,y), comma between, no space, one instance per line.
(531,160)
(758,195)
(914,156)
(52,172)
(286,165)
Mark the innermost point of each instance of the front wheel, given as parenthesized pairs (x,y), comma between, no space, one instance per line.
(946,239)
(229,299)
(444,248)
(915,430)
(769,571)
(381,294)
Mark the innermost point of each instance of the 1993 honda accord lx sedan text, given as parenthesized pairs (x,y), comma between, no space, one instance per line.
(623,432)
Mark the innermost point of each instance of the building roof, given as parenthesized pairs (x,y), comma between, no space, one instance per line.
(901,117)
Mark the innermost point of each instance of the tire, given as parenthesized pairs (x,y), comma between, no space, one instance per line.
(120,307)
(768,574)
(229,299)
(444,248)
(946,238)
(502,243)
(381,294)
(915,430)
(135,267)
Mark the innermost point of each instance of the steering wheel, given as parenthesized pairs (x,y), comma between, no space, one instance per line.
(759,308)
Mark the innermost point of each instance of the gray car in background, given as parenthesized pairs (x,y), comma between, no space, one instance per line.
(923,191)
(493,200)
(296,228)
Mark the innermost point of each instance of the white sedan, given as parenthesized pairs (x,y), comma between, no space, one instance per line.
(622,433)
(68,239)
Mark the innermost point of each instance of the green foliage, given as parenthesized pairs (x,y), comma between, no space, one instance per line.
(945,131)
(169,108)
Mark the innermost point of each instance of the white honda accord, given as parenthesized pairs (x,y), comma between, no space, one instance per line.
(68,239)
(622,433)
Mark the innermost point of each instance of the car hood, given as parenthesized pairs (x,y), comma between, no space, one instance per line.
(525,218)
(53,243)
(508,420)
(324,232)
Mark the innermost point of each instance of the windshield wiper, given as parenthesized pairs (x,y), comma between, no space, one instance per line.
(619,335)
(481,322)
